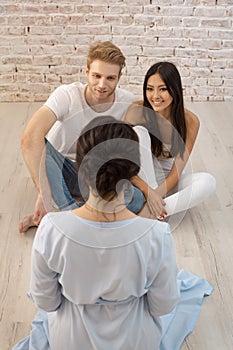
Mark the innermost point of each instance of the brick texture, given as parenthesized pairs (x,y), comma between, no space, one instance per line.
(44,44)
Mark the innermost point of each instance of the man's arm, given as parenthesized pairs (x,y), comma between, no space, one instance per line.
(33,140)
(33,148)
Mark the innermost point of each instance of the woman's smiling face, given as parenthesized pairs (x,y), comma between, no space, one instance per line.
(158,95)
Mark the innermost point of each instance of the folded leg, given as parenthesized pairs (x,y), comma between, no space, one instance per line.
(192,190)
(62,177)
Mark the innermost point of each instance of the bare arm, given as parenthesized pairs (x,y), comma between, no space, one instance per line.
(173,177)
(154,197)
(134,115)
(33,140)
(33,148)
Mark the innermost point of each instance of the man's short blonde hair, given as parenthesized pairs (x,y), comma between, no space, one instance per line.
(107,52)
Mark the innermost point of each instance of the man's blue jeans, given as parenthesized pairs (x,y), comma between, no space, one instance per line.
(63,180)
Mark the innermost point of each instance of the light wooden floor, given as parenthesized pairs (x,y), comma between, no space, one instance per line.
(204,239)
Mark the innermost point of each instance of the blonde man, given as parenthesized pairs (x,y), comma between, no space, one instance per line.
(54,129)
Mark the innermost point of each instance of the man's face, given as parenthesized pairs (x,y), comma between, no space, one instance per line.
(102,81)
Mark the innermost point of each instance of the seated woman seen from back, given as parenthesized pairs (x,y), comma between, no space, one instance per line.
(104,275)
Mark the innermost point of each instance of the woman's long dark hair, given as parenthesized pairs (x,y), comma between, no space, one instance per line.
(107,155)
(171,77)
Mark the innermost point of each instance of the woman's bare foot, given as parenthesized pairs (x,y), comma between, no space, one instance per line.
(26,223)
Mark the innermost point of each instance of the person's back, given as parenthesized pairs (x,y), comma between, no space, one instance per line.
(116,279)
(103,274)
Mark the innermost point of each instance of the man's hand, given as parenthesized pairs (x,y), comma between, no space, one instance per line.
(34,219)
(42,207)
(39,210)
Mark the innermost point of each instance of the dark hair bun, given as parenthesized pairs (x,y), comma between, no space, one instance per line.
(107,153)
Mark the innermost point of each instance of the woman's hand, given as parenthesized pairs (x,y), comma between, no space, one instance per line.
(156,204)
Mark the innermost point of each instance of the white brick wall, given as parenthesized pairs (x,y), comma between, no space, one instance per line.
(43,44)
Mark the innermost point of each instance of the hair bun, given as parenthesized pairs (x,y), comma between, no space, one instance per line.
(106,154)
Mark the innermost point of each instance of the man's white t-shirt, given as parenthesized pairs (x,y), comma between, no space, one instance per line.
(73,113)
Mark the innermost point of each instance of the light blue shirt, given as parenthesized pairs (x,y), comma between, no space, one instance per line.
(108,285)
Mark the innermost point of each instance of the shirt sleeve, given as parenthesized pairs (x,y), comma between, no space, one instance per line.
(59,102)
(163,294)
(45,289)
